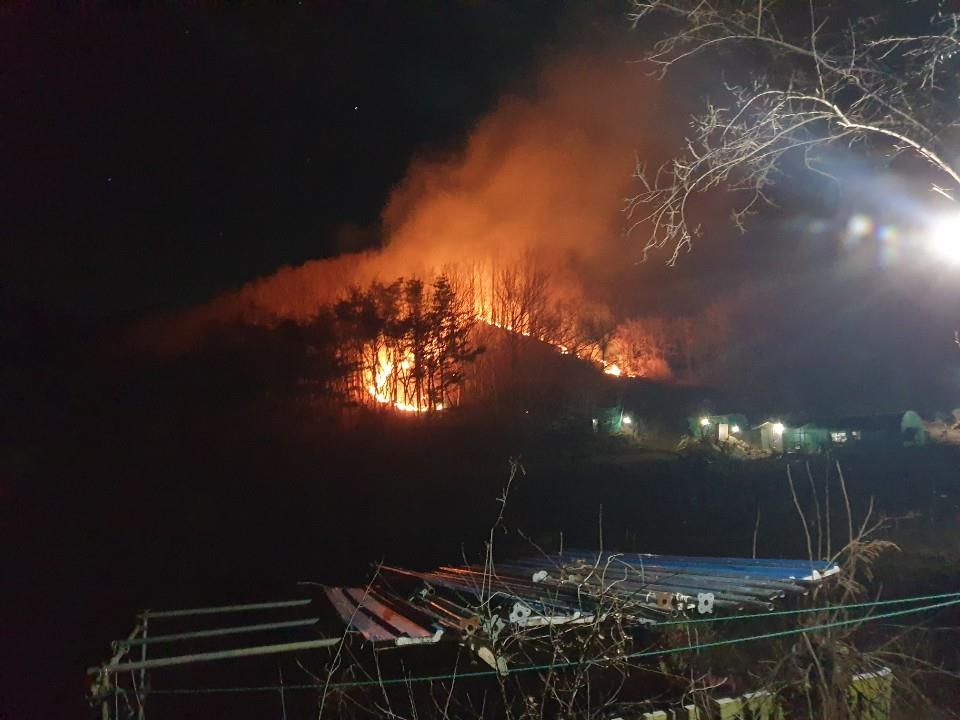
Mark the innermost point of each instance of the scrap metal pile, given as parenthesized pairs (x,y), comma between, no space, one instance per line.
(481,608)
(478,604)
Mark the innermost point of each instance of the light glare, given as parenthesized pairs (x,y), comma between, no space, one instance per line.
(944,239)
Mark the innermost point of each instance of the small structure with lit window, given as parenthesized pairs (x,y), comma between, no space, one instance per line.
(887,430)
(615,420)
(771,435)
(717,428)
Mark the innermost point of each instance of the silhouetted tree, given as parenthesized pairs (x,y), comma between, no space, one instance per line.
(879,79)
(452,322)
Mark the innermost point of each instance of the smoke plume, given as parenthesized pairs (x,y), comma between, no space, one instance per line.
(542,175)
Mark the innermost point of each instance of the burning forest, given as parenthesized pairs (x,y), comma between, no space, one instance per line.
(479,335)
(509,240)
(358,337)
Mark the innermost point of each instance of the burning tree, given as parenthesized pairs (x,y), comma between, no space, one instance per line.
(412,344)
(452,320)
(404,344)
(884,85)
(641,348)
(521,300)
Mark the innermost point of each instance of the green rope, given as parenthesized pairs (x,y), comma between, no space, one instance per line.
(572,663)
(803,611)
(799,631)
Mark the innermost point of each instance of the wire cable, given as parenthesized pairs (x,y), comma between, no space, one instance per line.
(596,661)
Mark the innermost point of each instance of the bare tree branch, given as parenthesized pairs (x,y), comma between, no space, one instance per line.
(839,79)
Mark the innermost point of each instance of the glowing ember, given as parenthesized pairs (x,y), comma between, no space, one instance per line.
(610,369)
(390,387)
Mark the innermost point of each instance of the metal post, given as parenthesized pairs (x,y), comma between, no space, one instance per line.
(105,681)
(118,667)
(141,692)
(223,609)
(218,632)
(105,703)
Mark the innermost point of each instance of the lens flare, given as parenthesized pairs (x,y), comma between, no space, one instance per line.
(943,240)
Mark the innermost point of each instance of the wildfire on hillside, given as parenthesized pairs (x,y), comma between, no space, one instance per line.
(513,232)
(414,346)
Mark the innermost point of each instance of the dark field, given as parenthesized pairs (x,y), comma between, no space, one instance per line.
(137,487)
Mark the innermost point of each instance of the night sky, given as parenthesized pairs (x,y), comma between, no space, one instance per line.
(153,157)
(156,157)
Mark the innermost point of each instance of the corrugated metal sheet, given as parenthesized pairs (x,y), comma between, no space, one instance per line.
(354,617)
(473,605)
(645,587)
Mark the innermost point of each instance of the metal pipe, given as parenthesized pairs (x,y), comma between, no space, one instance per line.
(217,655)
(223,609)
(699,582)
(462,577)
(560,596)
(691,581)
(795,571)
(103,688)
(616,563)
(695,583)
(222,631)
(141,696)
(819,565)
(740,598)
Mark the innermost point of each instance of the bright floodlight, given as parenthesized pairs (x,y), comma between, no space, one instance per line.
(735,429)
(704,421)
(778,428)
(943,239)
(627,420)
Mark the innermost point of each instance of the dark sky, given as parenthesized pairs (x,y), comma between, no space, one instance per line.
(154,156)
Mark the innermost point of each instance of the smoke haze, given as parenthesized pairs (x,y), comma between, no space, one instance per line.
(542,175)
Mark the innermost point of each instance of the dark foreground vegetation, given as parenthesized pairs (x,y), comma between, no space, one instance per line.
(132,483)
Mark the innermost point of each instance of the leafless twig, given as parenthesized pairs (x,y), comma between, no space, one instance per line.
(843,80)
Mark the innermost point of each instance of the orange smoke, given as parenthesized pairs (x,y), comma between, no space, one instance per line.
(541,176)
(545,175)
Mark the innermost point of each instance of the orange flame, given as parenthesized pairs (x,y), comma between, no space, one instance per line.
(394,394)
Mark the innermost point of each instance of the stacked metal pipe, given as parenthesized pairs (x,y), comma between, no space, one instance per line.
(576,586)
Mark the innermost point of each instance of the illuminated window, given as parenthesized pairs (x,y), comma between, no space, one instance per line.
(855,434)
(839,437)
